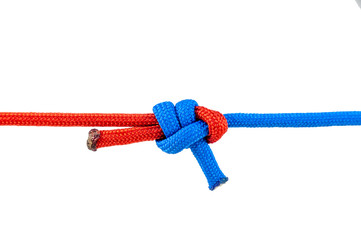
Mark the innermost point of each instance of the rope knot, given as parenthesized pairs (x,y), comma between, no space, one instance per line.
(217,123)
(186,125)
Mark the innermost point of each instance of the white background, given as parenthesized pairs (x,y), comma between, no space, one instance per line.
(231,56)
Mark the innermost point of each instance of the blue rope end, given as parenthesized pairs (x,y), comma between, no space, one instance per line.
(218,183)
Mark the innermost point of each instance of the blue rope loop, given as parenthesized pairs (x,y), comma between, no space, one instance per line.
(183,131)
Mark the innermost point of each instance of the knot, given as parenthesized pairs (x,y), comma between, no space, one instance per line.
(217,123)
(186,125)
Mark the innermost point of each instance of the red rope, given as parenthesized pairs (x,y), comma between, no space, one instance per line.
(129,135)
(143,127)
(77,119)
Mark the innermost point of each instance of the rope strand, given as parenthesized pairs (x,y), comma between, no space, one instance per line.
(129,135)
(145,127)
(77,119)
(177,127)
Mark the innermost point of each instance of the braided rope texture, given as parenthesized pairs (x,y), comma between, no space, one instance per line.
(77,119)
(175,128)
(183,130)
(249,120)
(294,120)
(128,136)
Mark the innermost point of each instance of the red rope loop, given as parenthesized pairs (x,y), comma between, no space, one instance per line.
(142,127)
(217,125)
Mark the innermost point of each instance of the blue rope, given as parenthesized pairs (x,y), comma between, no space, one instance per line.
(183,130)
(293,120)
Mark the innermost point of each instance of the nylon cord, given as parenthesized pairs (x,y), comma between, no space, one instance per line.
(177,127)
